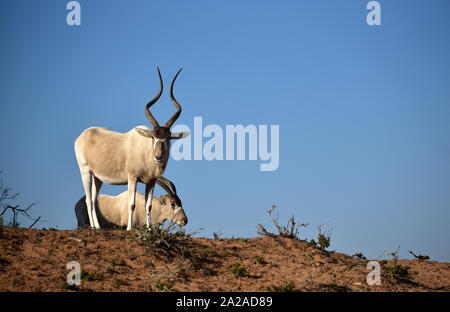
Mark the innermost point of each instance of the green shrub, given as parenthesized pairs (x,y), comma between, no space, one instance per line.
(259,259)
(88,276)
(238,271)
(323,238)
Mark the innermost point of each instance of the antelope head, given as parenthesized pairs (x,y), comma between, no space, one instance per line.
(171,207)
(162,136)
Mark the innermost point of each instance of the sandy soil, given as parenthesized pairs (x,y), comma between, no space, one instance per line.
(35,260)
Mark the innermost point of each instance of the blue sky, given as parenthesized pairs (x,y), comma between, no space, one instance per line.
(364,111)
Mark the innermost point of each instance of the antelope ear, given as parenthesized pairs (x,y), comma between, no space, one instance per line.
(162,200)
(179,135)
(144,132)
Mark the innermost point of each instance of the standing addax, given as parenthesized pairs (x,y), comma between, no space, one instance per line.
(139,155)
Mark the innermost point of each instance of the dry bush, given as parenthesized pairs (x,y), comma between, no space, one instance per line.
(291,230)
(8,203)
(160,238)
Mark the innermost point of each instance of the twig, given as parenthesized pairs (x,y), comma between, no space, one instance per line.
(35,221)
(419,257)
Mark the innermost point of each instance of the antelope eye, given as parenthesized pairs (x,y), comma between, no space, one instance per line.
(173,205)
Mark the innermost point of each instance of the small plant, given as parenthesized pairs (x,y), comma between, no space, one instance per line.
(336,287)
(215,252)
(182,273)
(399,271)
(284,287)
(259,259)
(238,271)
(88,276)
(4,261)
(120,282)
(66,286)
(289,231)
(217,234)
(160,238)
(163,287)
(396,270)
(114,263)
(323,238)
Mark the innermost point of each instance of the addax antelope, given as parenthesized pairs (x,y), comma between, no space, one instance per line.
(139,155)
(112,210)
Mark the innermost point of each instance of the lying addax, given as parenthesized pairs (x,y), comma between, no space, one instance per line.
(140,155)
(112,210)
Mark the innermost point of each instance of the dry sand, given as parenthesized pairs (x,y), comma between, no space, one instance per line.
(35,260)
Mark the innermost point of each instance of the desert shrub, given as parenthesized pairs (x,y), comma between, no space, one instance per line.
(399,271)
(182,273)
(359,255)
(120,282)
(66,286)
(88,276)
(336,287)
(9,205)
(238,271)
(284,287)
(85,277)
(323,238)
(217,234)
(259,259)
(163,287)
(215,252)
(419,257)
(162,238)
(396,270)
(113,263)
(291,230)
